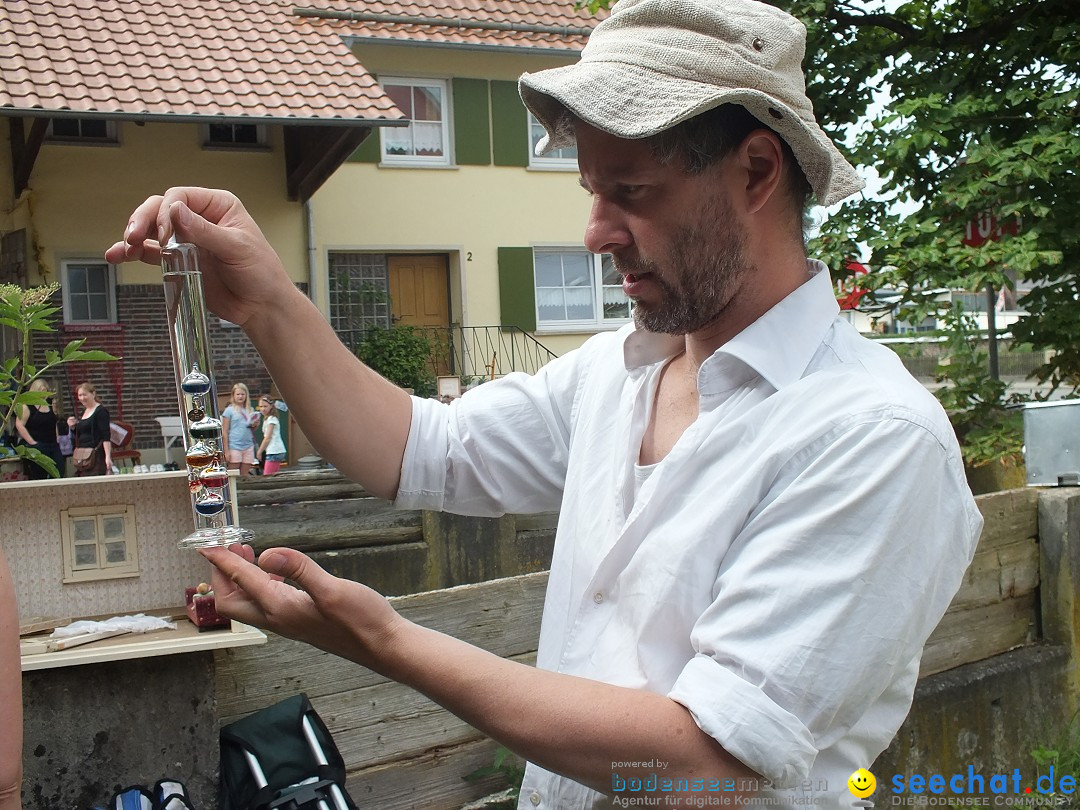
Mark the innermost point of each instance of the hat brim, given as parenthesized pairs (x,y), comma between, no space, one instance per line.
(615,98)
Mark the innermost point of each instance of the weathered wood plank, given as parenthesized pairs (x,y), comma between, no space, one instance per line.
(334,490)
(1008,516)
(434,781)
(541,521)
(322,524)
(976,633)
(999,572)
(389,722)
(502,616)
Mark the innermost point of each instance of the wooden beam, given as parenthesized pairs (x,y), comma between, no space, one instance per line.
(312,154)
(24,150)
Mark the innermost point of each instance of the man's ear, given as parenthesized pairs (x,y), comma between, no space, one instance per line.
(761,156)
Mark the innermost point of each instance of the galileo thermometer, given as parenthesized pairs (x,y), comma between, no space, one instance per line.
(208,477)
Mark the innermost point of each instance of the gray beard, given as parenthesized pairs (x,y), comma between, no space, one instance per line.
(701,275)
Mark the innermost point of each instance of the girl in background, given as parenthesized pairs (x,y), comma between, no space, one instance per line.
(272,445)
(238,423)
(40,426)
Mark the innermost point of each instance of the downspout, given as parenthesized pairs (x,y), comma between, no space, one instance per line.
(312,254)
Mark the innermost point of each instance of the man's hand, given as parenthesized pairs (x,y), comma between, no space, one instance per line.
(242,275)
(336,615)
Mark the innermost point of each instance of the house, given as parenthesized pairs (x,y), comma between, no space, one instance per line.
(446,222)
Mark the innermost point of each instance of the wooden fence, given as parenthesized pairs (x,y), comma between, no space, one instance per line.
(402,751)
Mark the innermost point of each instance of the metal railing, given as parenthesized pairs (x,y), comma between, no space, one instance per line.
(475,351)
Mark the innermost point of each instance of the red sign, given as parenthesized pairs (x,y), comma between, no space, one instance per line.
(986,228)
(848,293)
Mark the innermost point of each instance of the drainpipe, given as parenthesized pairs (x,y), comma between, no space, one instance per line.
(312,254)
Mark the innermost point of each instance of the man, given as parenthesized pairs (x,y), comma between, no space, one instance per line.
(762,516)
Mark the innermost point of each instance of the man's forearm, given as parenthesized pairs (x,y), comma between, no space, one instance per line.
(354,418)
(572,726)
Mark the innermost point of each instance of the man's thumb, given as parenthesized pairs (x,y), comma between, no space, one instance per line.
(292,565)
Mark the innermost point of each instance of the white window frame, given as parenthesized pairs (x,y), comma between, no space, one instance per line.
(260,143)
(110,280)
(110,138)
(418,160)
(596,324)
(548,162)
(101,569)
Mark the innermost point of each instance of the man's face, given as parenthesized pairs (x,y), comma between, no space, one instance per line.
(674,237)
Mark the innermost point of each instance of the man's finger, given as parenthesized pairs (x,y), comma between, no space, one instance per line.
(235,563)
(298,567)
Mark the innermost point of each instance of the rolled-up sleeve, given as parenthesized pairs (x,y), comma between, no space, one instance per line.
(502,448)
(824,599)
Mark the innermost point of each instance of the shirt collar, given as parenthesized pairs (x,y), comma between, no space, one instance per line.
(778,345)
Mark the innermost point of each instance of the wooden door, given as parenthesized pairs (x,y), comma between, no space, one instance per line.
(419,289)
(420,297)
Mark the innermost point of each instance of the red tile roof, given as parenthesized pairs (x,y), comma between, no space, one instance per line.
(238,59)
(539,24)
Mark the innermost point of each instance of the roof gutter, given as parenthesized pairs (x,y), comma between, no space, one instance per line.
(443,22)
(212,118)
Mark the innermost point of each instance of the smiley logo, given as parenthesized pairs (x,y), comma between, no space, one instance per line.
(862,783)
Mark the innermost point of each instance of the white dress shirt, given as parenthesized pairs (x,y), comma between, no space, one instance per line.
(777,573)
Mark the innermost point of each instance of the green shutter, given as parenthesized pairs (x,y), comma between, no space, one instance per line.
(472,138)
(517,288)
(509,125)
(369,151)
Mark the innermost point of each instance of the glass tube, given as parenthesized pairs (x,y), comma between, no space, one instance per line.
(196,391)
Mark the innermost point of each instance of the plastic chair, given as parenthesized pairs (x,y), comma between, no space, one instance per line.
(121,434)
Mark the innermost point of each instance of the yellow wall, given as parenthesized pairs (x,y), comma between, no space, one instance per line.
(80,196)
(466,210)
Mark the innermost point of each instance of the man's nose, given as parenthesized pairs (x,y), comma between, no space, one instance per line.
(607,230)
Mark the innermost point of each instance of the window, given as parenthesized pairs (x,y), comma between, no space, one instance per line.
(234,135)
(564,158)
(577,288)
(81,130)
(426,140)
(89,292)
(99,543)
(359,294)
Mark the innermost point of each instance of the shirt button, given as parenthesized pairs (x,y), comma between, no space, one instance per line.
(534,798)
(598,597)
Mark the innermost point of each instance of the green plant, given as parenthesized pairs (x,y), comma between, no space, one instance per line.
(29,311)
(507,765)
(402,354)
(1060,750)
(977,405)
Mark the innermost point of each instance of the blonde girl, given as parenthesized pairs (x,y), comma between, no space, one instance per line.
(238,422)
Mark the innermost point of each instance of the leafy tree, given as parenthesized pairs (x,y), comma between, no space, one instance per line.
(982,119)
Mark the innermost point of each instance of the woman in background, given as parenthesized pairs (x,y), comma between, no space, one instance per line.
(272,445)
(39,426)
(238,423)
(92,430)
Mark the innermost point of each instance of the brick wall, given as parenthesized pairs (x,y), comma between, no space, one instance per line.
(142,386)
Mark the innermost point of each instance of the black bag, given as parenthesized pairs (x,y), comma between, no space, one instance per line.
(267,761)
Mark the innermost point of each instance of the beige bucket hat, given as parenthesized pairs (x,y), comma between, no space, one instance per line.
(656,63)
